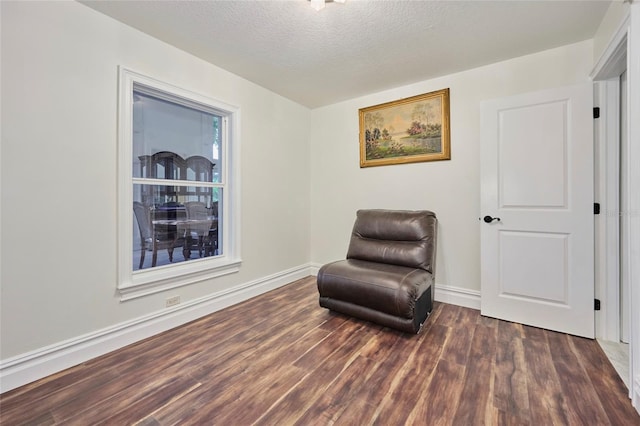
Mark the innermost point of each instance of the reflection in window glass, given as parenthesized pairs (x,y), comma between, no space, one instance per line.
(179,221)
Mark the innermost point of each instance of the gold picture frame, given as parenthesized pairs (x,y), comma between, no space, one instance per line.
(408,130)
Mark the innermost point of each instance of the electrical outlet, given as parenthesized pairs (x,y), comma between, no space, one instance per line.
(172,301)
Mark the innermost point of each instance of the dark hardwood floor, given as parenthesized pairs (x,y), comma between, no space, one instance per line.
(280,359)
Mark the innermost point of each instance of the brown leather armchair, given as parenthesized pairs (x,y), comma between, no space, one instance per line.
(388,276)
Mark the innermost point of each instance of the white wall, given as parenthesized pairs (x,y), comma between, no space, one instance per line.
(59,110)
(610,23)
(449,188)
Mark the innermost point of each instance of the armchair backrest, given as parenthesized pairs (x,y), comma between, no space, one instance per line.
(398,237)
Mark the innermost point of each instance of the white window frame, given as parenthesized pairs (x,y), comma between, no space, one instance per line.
(133,284)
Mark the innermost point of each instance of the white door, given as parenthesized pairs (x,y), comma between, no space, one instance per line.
(537,255)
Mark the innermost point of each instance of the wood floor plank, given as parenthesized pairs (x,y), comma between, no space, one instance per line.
(534,333)
(339,394)
(112,396)
(222,375)
(363,408)
(125,411)
(507,331)
(233,405)
(222,356)
(261,385)
(511,393)
(606,382)
(194,402)
(509,419)
(25,407)
(477,392)
(457,349)
(468,316)
(381,346)
(281,359)
(410,381)
(440,401)
(583,404)
(487,321)
(322,351)
(448,315)
(293,405)
(546,400)
(286,350)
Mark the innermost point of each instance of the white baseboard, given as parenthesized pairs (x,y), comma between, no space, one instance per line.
(458,296)
(34,365)
(444,293)
(635,398)
(315,267)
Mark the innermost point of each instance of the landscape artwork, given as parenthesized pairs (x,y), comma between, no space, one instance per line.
(408,130)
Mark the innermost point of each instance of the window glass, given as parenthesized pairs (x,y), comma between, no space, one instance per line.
(173,141)
(178,221)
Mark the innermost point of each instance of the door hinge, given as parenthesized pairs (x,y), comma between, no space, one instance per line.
(596,304)
(596,208)
(596,112)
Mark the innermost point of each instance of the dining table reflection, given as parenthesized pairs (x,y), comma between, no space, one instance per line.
(198,234)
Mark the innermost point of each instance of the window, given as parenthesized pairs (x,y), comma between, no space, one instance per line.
(178,209)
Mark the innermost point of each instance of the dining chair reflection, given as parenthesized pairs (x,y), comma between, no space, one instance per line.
(154,237)
(202,228)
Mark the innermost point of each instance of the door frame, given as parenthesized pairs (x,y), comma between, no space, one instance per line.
(608,223)
(622,52)
(633,81)
(607,96)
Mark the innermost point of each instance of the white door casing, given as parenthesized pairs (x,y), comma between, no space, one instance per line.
(537,260)
(624,284)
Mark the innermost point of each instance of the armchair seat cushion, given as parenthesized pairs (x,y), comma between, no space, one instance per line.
(387,288)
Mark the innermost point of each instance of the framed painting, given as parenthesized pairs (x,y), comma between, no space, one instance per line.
(408,130)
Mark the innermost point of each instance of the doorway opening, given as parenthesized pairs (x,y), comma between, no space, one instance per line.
(614,245)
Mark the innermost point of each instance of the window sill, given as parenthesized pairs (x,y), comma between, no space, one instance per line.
(145,283)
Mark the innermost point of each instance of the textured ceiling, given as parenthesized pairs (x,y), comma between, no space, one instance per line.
(348,50)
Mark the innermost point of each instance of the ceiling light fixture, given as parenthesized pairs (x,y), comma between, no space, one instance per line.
(320,4)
